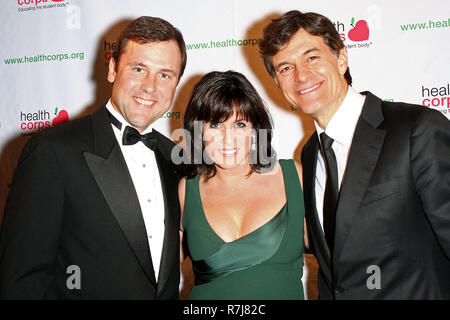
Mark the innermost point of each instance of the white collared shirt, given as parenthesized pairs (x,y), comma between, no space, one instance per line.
(144,172)
(340,128)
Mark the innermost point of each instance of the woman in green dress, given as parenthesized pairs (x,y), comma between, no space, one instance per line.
(242,219)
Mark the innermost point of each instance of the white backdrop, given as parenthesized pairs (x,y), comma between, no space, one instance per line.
(54,56)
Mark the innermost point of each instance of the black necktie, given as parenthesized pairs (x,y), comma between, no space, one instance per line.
(331,190)
(132,136)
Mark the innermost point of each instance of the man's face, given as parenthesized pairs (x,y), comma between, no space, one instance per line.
(145,80)
(311,76)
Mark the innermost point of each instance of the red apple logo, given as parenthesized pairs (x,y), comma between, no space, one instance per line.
(62,117)
(360,31)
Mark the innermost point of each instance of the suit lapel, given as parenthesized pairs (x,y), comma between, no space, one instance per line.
(169,184)
(364,152)
(110,171)
(309,162)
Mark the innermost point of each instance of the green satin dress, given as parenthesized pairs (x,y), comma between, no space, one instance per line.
(266,264)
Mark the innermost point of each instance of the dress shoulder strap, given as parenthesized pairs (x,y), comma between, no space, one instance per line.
(293,188)
(192,202)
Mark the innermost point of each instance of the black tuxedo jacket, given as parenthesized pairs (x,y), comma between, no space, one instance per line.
(73,203)
(393,210)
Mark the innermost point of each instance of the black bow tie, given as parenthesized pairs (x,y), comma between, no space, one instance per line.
(132,136)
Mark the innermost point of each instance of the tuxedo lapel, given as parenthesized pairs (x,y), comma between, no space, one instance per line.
(110,171)
(169,184)
(364,152)
(309,162)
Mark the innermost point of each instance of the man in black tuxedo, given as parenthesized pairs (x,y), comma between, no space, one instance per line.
(93,210)
(377,184)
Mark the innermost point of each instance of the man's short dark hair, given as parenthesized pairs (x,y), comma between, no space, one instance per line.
(147,30)
(279,31)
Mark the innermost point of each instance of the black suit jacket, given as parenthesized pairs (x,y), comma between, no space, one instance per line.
(393,210)
(73,202)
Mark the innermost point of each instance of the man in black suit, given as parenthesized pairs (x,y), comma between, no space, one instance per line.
(377,184)
(93,210)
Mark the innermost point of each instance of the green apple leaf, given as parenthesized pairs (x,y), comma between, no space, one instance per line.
(56,110)
(353,20)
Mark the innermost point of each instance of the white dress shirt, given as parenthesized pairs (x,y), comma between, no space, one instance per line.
(341,129)
(144,172)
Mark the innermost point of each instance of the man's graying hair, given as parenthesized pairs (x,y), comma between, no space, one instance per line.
(279,31)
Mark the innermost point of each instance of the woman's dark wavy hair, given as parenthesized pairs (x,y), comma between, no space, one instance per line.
(279,31)
(215,98)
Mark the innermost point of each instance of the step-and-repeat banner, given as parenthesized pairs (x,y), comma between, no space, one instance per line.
(54,57)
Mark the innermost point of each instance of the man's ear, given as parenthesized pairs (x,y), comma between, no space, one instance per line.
(112,70)
(343,61)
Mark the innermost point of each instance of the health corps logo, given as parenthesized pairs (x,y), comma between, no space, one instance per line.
(437,98)
(39,5)
(108,49)
(36,121)
(356,31)
(360,31)
(35,2)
